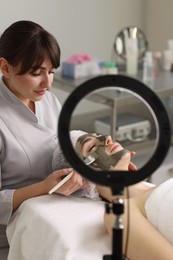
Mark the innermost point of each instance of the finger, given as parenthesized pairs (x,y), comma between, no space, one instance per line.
(71,185)
(77,184)
(73,188)
(132,167)
(61,182)
(61,173)
(132,153)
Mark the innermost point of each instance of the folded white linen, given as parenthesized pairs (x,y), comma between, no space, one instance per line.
(55,227)
(159,209)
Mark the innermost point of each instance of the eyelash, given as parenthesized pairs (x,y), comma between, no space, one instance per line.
(38,74)
(91,148)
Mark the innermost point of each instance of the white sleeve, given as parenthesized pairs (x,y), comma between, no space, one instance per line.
(6,198)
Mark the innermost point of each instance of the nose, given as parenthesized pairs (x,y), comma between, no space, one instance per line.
(108,140)
(47,80)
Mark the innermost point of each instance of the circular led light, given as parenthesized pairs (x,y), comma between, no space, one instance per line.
(117,180)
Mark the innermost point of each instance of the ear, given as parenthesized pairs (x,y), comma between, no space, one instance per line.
(5,67)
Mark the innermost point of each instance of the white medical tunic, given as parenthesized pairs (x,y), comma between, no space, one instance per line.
(27,142)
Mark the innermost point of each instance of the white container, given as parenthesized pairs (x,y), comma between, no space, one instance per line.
(167,60)
(132,56)
(109,67)
(170,44)
(148,69)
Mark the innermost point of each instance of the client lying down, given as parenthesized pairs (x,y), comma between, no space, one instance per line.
(148,205)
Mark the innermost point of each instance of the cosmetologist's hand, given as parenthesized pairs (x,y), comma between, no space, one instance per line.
(69,187)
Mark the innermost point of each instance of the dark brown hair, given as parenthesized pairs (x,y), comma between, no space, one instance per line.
(28,44)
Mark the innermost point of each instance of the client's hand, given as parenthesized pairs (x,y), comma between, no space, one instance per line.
(132,166)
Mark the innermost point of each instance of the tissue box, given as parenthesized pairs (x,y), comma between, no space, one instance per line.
(80,70)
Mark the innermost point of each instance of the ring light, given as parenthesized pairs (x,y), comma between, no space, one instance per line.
(117,180)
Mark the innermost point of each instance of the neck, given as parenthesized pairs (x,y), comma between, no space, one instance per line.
(31,105)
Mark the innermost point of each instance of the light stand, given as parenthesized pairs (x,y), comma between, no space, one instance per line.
(116,180)
(117,207)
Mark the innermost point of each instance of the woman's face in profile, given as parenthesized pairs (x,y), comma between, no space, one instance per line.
(110,155)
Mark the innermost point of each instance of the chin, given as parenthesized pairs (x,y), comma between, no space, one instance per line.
(126,158)
(38,98)
(123,163)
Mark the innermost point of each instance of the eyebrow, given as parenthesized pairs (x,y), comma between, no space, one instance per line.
(87,139)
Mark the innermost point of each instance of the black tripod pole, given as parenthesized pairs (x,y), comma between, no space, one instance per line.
(117,208)
(117,241)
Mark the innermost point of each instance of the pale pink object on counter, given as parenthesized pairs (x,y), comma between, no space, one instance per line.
(79,58)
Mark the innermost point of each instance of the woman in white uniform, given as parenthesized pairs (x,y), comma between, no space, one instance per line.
(28,120)
(151,213)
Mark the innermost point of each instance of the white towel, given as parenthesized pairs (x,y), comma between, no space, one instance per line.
(59,162)
(54,227)
(159,209)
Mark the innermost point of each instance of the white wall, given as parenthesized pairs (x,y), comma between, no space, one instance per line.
(80,26)
(158,23)
(89,26)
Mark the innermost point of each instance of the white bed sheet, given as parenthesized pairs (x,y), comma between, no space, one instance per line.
(159,209)
(54,227)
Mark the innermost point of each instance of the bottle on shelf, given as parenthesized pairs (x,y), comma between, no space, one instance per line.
(132,56)
(109,67)
(148,69)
